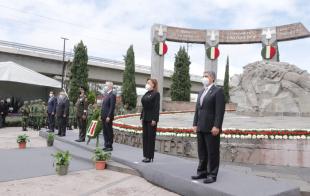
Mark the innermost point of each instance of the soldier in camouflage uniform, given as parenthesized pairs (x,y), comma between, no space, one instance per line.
(81,114)
(25,110)
(37,114)
(43,114)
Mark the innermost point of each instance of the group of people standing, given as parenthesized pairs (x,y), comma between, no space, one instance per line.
(4,110)
(207,123)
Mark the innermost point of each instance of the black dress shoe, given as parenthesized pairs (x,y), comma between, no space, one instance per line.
(147,160)
(199,176)
(108,149)
(79,140)
(209,179)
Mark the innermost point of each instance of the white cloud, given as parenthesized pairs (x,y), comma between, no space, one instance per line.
(109,27)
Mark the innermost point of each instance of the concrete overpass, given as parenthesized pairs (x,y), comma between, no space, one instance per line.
(49,62)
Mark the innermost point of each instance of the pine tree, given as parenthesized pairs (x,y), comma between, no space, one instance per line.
(181,84)
(226,82)
(129,93)
(79,71)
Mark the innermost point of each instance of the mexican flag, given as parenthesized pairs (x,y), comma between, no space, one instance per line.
(213,53)
(268,52)
(92,128)
(161,48)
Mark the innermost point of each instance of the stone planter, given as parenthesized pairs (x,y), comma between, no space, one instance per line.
(50,142)
(295,153)
(62,169)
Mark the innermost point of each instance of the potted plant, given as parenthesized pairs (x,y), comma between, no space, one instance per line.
(100,157)
(62,161)
(22,141)
(50,139)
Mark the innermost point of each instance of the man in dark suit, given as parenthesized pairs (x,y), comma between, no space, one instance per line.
(62,112)
(209,115)
(51,111)
(107,116)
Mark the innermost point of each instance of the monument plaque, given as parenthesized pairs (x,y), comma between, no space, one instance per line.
(186,35)
(242,36)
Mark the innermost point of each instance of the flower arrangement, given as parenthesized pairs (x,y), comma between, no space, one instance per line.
(234,133)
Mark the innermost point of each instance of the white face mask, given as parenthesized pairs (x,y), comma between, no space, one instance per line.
(148,87)
(205,81)
(51,95)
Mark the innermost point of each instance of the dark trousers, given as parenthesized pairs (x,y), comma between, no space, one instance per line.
(82,127)
(51,122)
(208,154)
(62,122)
(2,120)
(107,133)
(149,136)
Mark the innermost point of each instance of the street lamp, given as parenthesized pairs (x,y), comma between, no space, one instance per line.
(63,62)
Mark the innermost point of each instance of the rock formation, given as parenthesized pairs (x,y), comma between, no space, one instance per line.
(271,88)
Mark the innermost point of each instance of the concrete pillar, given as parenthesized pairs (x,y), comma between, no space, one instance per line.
(269,37)
(158,34)
(212,40)
(167,94)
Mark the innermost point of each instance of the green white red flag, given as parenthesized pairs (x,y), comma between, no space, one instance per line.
(161,48)
(213,53)
(92,128)
(268,52)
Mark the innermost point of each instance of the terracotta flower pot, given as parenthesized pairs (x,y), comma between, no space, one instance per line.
(22,145)
(62,169)
(100,165)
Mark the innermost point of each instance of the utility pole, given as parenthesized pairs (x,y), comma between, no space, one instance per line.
(63,62)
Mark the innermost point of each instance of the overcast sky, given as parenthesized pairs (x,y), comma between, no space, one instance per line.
(109,27)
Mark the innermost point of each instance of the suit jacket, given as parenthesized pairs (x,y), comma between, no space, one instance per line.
(62,107)
(108,106)
(150,106)
(51,105)
(211,113)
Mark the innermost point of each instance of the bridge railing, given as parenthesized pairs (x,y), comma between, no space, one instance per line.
(70,55)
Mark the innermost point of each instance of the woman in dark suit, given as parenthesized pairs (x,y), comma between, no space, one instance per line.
(149,118)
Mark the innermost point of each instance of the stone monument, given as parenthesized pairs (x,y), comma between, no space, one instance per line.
(271,88)
(213,38)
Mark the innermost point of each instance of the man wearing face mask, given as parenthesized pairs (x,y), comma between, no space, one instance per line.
(81,115)
(107,116)
(51,110)
(62,112)
(208,120)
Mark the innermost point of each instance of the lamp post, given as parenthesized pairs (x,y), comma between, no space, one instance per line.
(63,62)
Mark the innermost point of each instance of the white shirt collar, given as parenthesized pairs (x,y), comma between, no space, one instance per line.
(208,87)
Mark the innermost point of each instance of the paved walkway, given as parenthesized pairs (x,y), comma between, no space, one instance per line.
(232,120)
(83,183)
(8,138)
(173,173)
(30,172)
